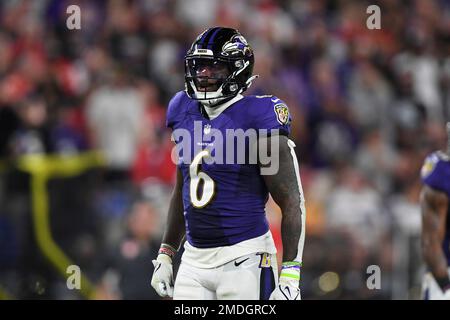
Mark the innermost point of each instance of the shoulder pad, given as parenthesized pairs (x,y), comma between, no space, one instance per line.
(174,108)
(270,112)
(435,171)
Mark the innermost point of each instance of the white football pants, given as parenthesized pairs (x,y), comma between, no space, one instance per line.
(250,277)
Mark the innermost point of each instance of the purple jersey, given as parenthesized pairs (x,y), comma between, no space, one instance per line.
(235,211)
(436,174)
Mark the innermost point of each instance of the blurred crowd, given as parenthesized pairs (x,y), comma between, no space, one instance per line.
(367,107)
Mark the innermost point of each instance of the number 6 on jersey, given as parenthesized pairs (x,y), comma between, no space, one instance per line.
(196,177)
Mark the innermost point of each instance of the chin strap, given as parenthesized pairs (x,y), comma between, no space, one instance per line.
(249,82)
(214,102)
(206,103)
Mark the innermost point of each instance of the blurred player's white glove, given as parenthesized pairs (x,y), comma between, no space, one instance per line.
(162,280)
(288,287)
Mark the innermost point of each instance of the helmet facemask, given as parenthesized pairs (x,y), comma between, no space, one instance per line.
(211,81)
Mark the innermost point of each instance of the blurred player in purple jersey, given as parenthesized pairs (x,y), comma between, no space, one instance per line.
(219,206)
(436,224)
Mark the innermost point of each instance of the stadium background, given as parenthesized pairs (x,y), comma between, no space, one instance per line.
(368,105)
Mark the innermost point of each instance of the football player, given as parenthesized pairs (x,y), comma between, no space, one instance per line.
(220,208)
(436,224)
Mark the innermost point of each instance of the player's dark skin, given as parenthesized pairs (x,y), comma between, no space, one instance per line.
(175,229)
(434,205)
(283,188)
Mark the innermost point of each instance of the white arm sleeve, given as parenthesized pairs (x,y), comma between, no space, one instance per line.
(301,242)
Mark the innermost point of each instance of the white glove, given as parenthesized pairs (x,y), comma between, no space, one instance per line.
(162,280)
(288,287)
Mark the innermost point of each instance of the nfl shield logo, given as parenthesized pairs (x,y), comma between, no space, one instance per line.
(207,129)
